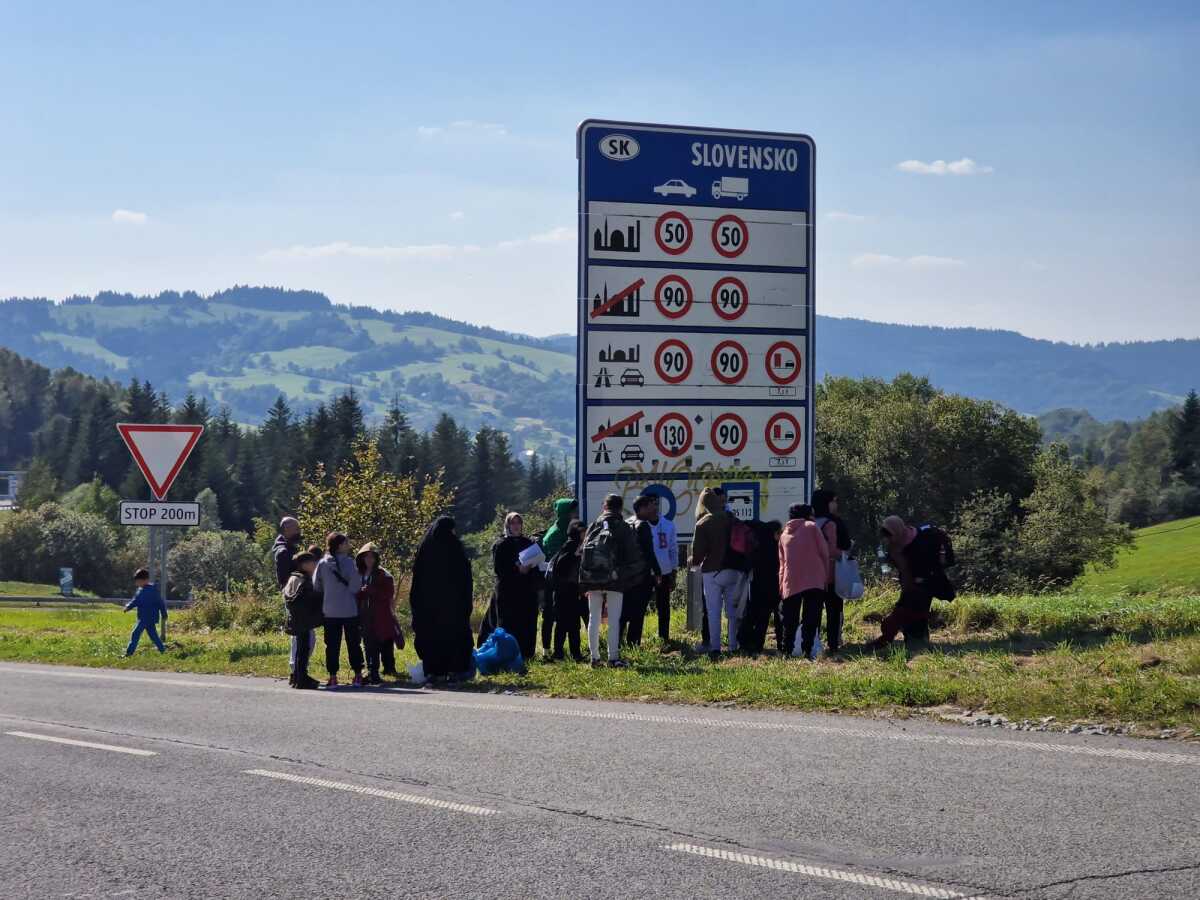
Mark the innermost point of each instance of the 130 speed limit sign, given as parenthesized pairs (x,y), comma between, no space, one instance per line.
(673,435)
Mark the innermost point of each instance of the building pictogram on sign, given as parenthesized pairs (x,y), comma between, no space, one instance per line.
(625,303)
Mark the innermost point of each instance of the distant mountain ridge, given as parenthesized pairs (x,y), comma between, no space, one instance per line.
(245,345)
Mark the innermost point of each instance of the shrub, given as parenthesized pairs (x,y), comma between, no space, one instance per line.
(213,560)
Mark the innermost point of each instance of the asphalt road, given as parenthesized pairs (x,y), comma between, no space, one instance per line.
(240,787)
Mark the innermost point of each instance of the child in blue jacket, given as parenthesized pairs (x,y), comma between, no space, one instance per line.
(149,605)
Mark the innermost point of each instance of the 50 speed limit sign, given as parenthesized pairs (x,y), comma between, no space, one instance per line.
(730,236)
(673,232)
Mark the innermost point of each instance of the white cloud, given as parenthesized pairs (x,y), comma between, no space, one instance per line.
(463,126)
(884,260)
(394,253)
(457,216)
(129,217)
(837,215)
(964,166)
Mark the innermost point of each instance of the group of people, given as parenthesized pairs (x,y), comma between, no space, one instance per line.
(559,583)
(610,570)
(351,598)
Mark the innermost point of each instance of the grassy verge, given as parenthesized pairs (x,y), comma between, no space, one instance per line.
(30,589)
(1078,657)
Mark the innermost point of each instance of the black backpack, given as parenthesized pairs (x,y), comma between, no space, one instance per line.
(931,553)
(598,562)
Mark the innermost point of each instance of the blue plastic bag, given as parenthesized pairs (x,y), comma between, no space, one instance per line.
(499,653)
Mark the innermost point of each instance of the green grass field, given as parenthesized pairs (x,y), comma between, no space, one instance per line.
(29,589)
(1079,657)
(1166,554)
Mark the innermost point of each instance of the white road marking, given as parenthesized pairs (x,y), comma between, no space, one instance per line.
(543,707)
(781,865)
(132,751)
(376,792)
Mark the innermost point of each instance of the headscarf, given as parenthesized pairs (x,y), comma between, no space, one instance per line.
(439,545)
(508,521)
(895,526)
(709,503)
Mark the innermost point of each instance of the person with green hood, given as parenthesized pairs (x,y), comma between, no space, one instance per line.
(566,510)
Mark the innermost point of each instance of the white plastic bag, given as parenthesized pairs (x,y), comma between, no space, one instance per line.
(417,673)
(847,580)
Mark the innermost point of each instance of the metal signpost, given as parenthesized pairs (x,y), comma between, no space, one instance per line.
(160,452)
(695,317)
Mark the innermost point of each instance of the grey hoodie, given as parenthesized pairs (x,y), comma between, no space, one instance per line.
(339,598)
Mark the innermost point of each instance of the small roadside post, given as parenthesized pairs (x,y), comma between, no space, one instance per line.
(160,452)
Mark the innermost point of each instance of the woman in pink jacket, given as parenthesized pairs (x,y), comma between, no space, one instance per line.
(803,568)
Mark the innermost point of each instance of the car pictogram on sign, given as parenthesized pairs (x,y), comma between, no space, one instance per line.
(632,378)
(633,453)
(676,187)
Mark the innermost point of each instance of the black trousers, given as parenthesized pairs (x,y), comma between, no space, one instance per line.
(802,611)
(633,613)
(380,651)
(662,604)
(303,654)
(546,602)
(334,630)
(834,610)
(570,610)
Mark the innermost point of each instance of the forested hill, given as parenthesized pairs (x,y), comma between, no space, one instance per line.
(243,346)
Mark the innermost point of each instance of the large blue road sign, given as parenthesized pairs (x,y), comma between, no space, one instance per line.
(696,314)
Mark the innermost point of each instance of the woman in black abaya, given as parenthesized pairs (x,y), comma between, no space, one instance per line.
(441,602)
(516,586)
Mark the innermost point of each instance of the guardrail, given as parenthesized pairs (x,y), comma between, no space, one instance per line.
(57,600)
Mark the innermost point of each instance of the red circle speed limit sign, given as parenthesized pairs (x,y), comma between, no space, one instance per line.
(730,298)
(673,232)
(673,361)
(730,236)
(783,362)
(673,435)
(782,433)
(729,434)
(730,362)
(673,296)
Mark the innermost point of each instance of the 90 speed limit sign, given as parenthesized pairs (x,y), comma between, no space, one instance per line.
(729,434)
(730,298)
(673,361)
(673,296)
(729,362)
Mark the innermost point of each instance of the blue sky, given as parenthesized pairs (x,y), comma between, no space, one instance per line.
(422,156)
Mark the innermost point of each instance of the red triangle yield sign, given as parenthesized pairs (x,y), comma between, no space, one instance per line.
(160,451)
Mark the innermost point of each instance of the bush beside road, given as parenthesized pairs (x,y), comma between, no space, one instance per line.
(1120,660)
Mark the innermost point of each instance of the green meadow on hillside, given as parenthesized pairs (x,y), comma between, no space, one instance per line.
(1164,555)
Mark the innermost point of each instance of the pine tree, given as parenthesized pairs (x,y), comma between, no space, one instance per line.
(392,438)
(1185,440)
(477,501)
(449,446)
(348,425)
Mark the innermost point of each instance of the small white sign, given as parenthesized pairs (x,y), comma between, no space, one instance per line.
(134,512)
